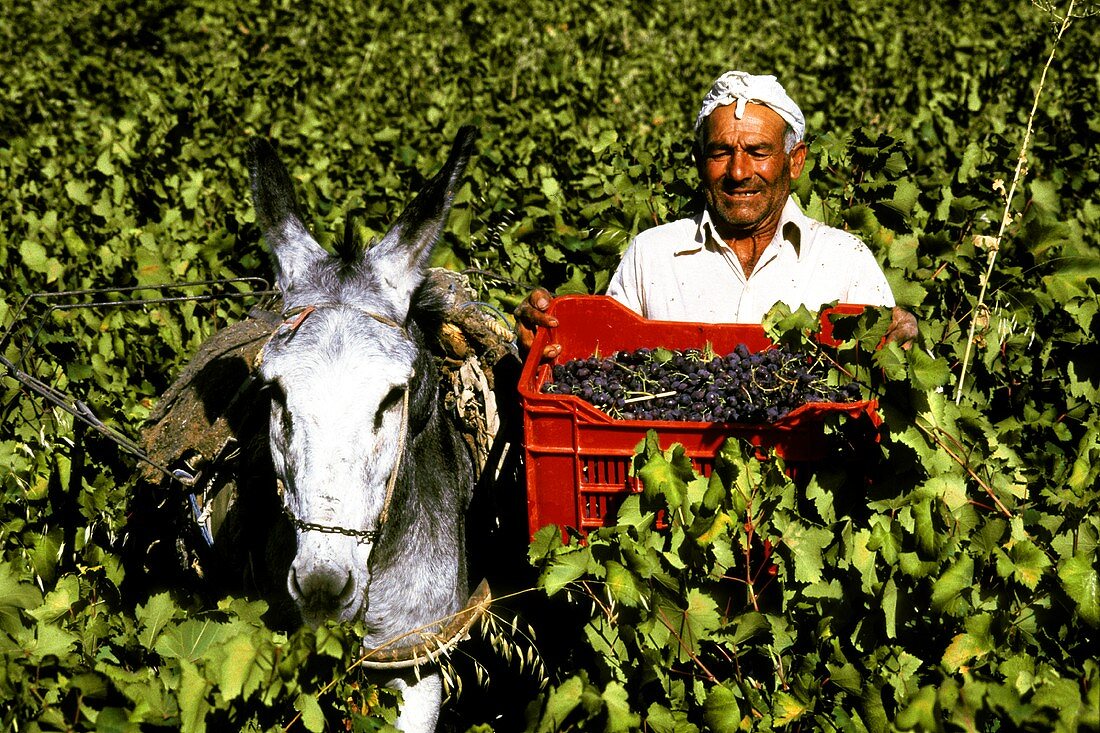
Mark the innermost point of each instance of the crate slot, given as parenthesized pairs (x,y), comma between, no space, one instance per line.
(610,471)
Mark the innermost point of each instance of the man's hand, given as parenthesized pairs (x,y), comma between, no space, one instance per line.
(903,328)
(530,314)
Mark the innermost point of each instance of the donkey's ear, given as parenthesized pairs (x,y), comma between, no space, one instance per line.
(398,260)
(293,250)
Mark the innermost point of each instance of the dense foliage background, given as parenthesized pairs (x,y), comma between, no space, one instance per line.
(950,582)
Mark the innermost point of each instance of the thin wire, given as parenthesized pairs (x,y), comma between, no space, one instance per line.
(80,411)
(77,408)
(133,289)
(139,303)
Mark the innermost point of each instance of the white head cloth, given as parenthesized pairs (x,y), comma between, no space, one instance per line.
(740,88)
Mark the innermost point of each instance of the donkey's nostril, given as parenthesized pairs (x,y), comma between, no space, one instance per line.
(322,591)
(346,590)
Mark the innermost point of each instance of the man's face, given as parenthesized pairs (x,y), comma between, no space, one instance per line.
(745,172)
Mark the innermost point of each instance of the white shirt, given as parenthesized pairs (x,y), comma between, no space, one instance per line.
(682,271)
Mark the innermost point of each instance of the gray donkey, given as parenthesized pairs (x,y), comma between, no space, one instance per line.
(371,473)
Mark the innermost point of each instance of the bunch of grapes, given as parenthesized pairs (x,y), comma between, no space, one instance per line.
(699,386)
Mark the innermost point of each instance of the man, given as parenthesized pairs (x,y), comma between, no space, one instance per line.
(751,247)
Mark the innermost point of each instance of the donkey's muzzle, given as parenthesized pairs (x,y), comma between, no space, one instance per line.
(323,592)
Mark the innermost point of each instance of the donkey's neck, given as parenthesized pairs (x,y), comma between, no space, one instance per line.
(418,566)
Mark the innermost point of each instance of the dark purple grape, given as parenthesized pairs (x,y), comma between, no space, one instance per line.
(741,386)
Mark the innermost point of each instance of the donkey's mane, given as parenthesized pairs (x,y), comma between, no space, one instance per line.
(426,315)
(429,307)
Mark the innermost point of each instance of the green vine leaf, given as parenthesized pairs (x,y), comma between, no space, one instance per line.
(623,585)
(1028,563)
(620,717)
(948,588)
(193,702)
(721,710)
(59,601)
(15,596)
(565,569)
(189,640)
(806,545)
(665,477)
(1081,582)
(157,612)
(49,641)
(312,716)
(788,709)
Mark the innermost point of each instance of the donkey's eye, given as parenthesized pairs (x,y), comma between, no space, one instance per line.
(282,416)
(391,400)
(274,391)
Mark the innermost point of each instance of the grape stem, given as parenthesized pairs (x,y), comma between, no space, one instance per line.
(647,397)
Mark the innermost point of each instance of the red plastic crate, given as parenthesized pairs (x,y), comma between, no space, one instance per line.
(578,458)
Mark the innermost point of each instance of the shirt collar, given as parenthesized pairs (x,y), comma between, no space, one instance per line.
(793,231)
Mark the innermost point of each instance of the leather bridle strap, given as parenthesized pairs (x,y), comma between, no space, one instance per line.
(401,438)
